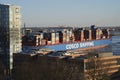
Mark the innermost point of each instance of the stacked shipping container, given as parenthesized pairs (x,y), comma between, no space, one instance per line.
(53,38)
(57,38)
(65,36)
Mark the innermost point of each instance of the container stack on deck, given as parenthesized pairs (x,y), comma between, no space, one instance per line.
(53,38)
(82,35)
(68,36)
(108,33)
(64,36)
(86,34)
(90,34)
(57,38)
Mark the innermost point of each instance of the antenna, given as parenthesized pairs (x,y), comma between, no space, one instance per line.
(24,28)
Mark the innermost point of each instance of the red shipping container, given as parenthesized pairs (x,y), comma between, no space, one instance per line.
(43,42)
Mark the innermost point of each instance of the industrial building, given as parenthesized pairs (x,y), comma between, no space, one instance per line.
(10,31)
(99,65)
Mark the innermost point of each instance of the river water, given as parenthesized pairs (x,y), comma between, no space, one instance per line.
(115,45)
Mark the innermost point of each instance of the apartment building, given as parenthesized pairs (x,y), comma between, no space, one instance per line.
(10,31)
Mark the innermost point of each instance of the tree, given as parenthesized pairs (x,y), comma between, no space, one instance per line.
(46,68)
(2,70)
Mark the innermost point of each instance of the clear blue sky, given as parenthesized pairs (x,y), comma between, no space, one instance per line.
(69,12)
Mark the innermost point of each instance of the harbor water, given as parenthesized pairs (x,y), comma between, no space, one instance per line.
(115,45)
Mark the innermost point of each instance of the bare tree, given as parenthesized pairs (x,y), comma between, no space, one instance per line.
(45,68)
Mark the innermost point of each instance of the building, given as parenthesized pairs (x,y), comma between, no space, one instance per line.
(99,66)
(10,31)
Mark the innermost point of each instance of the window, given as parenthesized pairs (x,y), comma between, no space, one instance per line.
(118,61)
(17,10)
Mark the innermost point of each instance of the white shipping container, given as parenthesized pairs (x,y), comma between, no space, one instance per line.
(68,39)
(41,38)
(53,40)
(57,34)
(52,35)
(41,35)
(70,33)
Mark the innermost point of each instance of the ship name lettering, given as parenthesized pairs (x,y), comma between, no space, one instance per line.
(86,44)
(72,46)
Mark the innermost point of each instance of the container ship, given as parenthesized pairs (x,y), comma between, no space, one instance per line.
(65,39)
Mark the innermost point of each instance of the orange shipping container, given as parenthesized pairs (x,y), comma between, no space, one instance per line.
(49,42)
(57,40)
(82,35)
(90,35)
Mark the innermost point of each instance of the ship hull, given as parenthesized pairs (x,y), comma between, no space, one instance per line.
(72,46)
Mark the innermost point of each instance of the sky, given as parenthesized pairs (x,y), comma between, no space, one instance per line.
(39,13)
